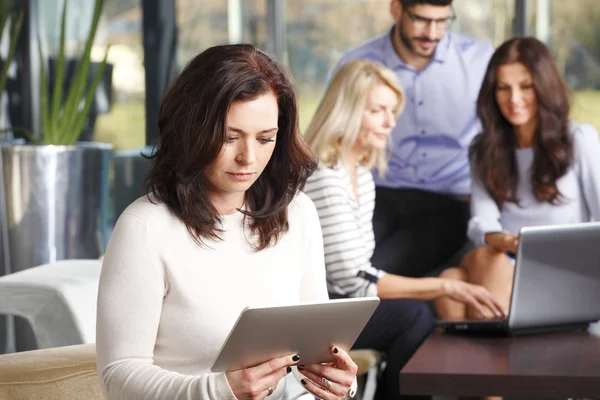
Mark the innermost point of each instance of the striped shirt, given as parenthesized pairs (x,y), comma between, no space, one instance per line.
(347,226)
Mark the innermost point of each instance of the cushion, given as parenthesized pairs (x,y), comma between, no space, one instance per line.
(51,374)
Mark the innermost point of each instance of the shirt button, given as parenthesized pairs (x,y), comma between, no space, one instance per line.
(423,155)
(421,102)
(421,180)
(423,132)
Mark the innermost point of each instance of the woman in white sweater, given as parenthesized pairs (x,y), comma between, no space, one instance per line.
(223,226)
(349,134)
(531,166)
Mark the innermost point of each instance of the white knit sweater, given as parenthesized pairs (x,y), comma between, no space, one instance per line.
(166,305)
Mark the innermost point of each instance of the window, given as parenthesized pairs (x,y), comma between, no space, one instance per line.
(206,23)
(571,29)
(117,116)
(320,31)
(124,125)
(490,20)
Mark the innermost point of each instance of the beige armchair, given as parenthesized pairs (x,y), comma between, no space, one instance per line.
(51,374)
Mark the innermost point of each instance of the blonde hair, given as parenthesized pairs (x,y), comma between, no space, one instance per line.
(336,124)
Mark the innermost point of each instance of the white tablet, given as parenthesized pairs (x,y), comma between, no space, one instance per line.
(309,330)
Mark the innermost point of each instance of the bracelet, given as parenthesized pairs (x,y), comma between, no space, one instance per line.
(352,392)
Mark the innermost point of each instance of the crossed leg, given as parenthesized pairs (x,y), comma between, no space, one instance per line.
(483,266)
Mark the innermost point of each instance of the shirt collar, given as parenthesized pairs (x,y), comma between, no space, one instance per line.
(393,60)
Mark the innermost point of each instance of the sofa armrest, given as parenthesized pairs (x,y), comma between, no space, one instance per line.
(57,373)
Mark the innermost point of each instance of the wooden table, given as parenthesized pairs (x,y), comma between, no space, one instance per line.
(551,365)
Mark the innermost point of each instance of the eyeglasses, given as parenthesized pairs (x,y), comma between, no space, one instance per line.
(424,23)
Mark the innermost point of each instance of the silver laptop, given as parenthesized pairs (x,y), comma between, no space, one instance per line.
(556,283)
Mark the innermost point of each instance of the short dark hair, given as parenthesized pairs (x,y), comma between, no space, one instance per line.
(410,3)
(492,152)
(191,135)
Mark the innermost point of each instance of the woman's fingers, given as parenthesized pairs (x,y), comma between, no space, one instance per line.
(321,381)
(254,382)
(488,300)
(319,391)
(471,301)
(482,301)
(344,361)
(341,378)
(269,391)
(336,378)
(497,305)
(271,366)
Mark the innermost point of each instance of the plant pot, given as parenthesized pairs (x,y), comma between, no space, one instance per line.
(56,202)
(55,208)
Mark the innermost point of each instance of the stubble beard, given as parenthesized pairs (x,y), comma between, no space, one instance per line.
(409,44)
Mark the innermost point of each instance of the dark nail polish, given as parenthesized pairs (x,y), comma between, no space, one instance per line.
(300,369)
(289,369)
(335,350)
(296,358)
(303,381)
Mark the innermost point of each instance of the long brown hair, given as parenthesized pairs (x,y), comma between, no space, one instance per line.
(492,153)
(191,134)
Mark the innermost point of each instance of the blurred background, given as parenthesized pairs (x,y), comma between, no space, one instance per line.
(315,34)
(150,41)
(64,204)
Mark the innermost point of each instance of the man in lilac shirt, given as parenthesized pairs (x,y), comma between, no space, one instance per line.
(422,204)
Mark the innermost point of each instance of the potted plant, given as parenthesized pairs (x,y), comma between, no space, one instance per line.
(8,17)
(14,21)
(56,188)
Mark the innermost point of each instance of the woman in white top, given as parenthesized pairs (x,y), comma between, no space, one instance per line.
(349,133)
(531,166)
(223,226)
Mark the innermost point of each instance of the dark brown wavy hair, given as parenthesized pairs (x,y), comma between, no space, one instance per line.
(492,153)
(410,3)
(191,134)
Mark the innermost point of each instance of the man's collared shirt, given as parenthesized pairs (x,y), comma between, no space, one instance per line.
(431,139)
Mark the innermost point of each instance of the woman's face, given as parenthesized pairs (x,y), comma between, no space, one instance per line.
(378,119)
(515,95)
(250,134)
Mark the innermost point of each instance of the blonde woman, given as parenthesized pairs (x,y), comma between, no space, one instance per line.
(349,135)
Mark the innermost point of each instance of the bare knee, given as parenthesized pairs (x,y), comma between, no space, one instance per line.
(447,308)
(455,273)
(481,257)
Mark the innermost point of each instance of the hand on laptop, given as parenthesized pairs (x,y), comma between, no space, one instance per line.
(475,296)
(504,242)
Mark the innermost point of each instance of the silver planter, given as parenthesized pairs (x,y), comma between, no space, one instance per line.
(53,206)
(55,202)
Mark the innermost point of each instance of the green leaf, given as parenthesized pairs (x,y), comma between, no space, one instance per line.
(14,37)
(47,135)
(5,12)
(89,100)
(79,82)
(59,73)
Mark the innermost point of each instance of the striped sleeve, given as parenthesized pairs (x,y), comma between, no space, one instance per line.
(347,253)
